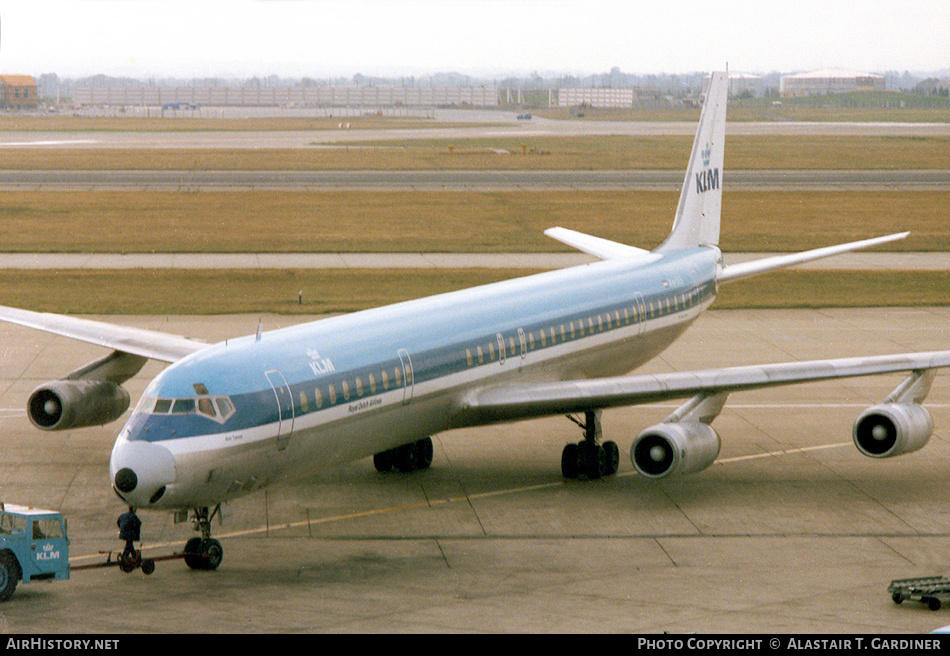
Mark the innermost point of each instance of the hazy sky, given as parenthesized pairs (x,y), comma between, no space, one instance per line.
(242,38)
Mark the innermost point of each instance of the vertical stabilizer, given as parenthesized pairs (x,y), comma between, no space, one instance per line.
(697,216)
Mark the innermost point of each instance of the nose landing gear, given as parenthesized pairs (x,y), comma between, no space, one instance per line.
(204,553)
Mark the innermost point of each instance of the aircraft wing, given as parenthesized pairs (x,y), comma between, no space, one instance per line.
(522,401)
(136,341)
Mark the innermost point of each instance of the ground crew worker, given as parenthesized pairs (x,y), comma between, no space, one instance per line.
(129,530)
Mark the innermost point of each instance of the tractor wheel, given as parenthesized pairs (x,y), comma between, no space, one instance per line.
(9,575)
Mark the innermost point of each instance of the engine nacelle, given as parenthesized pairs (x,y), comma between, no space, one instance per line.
(64,404)
(675,448)
(891,429)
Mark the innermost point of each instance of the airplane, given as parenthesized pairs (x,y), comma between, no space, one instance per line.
(224,420)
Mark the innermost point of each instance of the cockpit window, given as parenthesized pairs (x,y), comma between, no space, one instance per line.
(218,408)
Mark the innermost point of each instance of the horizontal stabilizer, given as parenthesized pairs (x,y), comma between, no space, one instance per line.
(598,247)
(766,264)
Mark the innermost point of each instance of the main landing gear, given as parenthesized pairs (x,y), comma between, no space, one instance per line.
(590,458)
(204,552)
(406,458)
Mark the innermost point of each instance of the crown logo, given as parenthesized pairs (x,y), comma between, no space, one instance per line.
(706,152)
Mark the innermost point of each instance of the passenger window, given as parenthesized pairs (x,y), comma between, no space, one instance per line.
(304,405)
(359,386)
(481,354)
(332,391)
(468,357)
(385,380)
(346,391)
(317,397)
(372,384)
(397,376)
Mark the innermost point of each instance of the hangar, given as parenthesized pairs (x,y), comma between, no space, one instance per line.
(17,91)
(829,81)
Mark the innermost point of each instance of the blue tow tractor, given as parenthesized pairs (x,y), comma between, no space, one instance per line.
(34,546)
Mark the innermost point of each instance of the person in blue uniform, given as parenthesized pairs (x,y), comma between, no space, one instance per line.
(130,527)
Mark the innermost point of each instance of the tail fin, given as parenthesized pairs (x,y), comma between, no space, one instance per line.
(697,216)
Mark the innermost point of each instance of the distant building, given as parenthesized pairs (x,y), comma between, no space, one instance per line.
(278,96)
(829,81)
(602,98)
(17,91)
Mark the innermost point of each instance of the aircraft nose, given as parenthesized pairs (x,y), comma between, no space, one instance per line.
(141,471)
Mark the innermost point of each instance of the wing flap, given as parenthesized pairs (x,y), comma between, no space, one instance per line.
(136,341)
(512,402)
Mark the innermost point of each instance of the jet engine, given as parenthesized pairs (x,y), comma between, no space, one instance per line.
(891,429)
(674,448)
(64,404)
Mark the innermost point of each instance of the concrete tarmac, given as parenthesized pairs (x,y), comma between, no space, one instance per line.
(792,530)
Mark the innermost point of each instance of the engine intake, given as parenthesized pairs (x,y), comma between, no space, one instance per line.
(674,448)
(64,404)
(892,429)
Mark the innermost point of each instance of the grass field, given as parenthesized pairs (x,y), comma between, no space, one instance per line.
(164,291)
(528,153)
(447,221)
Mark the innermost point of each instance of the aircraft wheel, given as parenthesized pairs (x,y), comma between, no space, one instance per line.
(570,457)
(203,554)
(214,554)
(9,576)
(424,453)
(148,566)
(193,553)
(613,457)
(897,598)
(593,460)
(933,603)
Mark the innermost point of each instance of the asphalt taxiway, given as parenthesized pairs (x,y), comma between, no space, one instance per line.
(645,180)
(792,530)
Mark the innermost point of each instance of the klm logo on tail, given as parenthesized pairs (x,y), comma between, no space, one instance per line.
(709,179)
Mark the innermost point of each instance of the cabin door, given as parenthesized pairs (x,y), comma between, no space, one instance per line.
(285,407)
(407,376)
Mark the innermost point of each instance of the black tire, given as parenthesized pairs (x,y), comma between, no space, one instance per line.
(613,458)
(9,575)
(214,554)
(193,553)
(424,453)
(593,460)
(203,554)
(570,458)
(933,603)
(148,566)
(897,598)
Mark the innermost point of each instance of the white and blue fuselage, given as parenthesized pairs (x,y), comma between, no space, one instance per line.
(238,415)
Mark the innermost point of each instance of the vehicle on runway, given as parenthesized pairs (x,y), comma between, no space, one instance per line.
(227,419)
